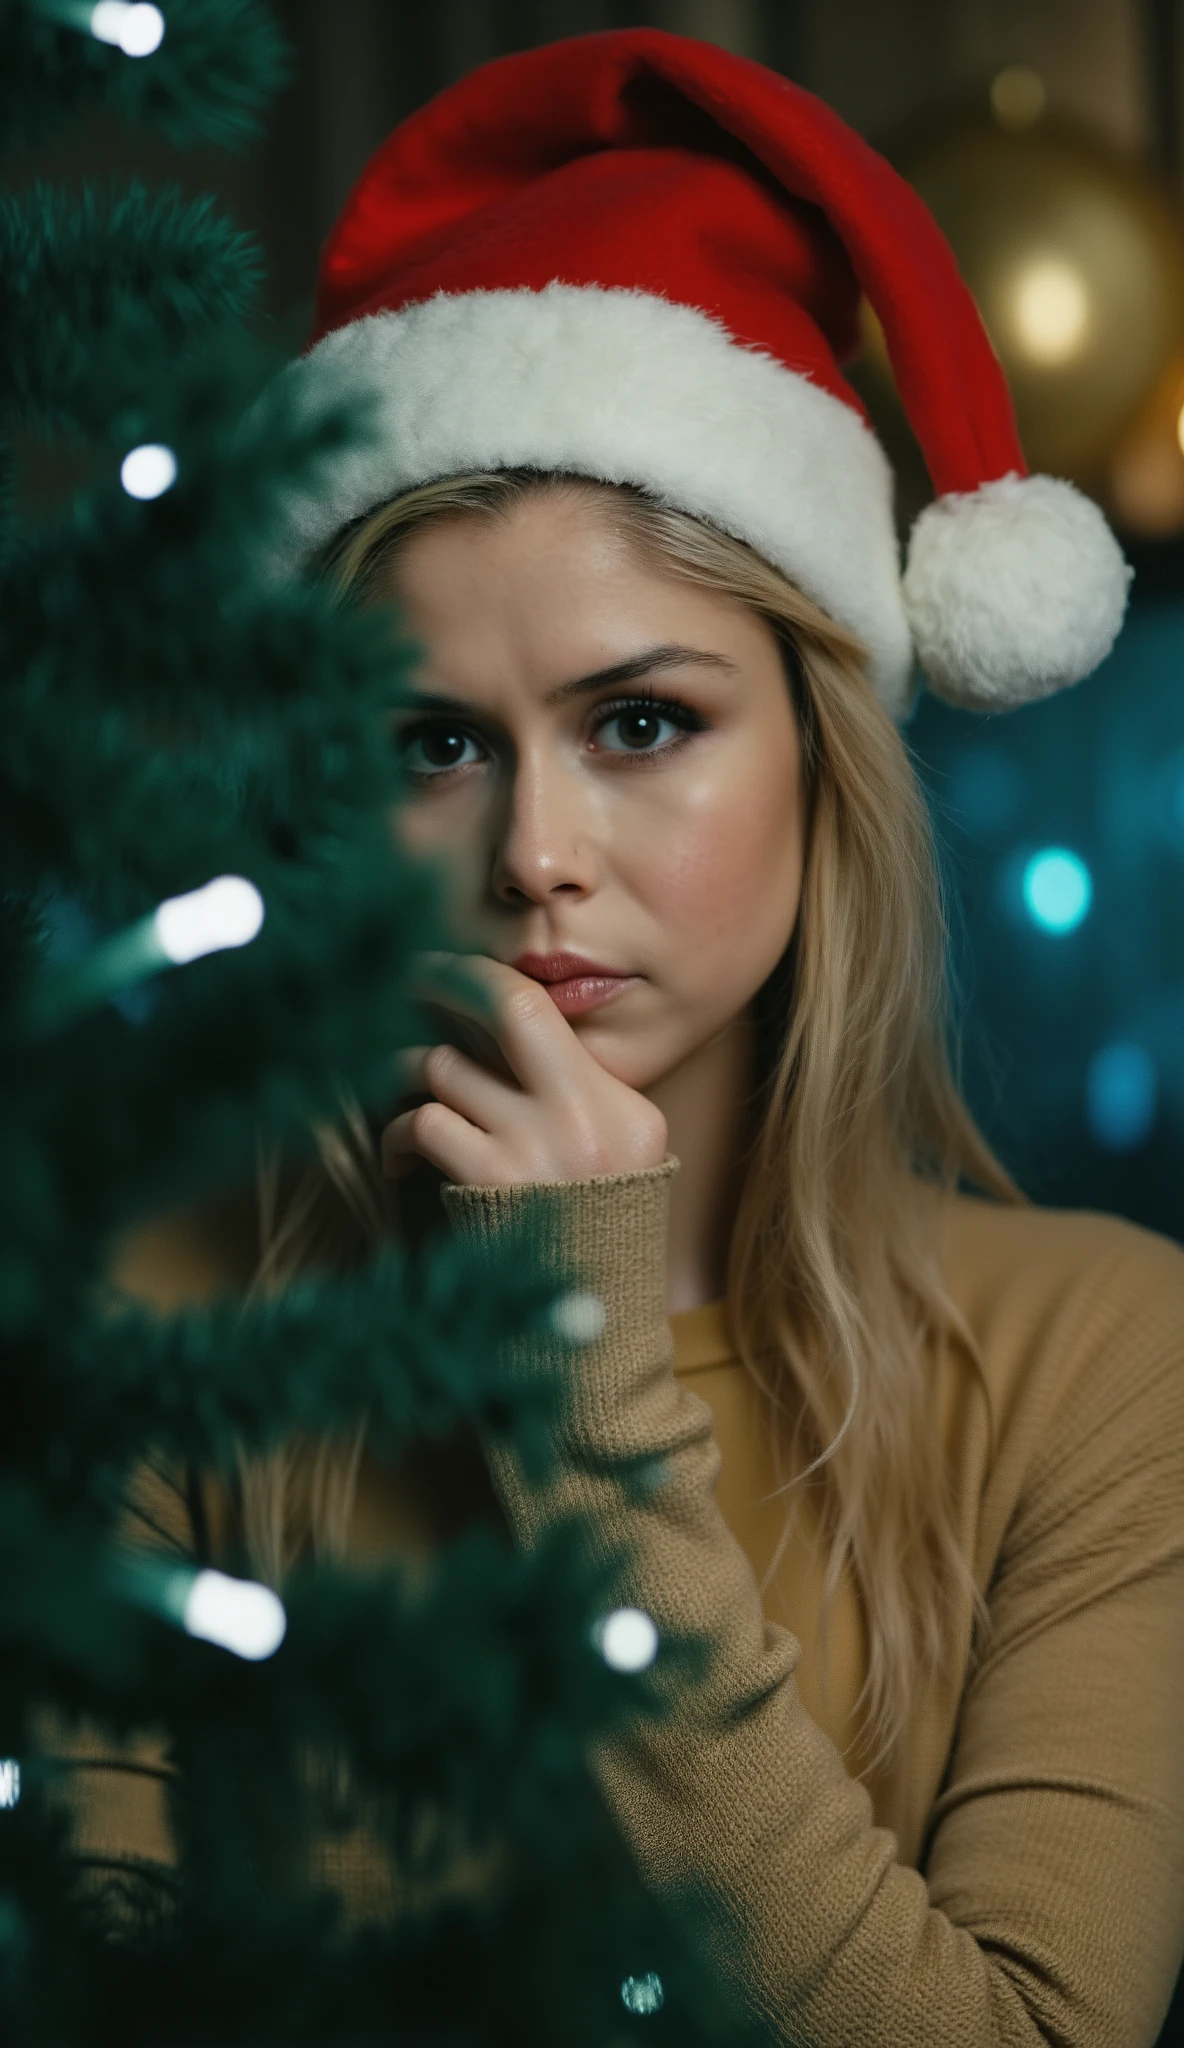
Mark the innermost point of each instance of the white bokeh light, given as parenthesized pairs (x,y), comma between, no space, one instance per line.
(148,471)
(226,912)
(579,1317)
(136,29)
(237,1614)
(627,1639)
(10,1781)
(143,30)
(106,21)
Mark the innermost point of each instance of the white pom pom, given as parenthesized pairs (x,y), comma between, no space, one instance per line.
(1013,591)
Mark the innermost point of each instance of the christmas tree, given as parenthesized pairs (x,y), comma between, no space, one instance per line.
(207,933)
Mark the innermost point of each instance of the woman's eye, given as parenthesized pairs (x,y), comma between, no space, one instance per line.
(434,738)
(640,719)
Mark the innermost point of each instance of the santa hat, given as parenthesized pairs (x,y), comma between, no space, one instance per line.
(635,257)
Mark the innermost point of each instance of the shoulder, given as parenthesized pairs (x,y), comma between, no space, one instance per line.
(1066,1305)
(1038,1255)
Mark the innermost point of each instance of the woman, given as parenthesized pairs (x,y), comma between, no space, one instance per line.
(602,291)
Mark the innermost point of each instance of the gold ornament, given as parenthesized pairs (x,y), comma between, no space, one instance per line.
(1075,258)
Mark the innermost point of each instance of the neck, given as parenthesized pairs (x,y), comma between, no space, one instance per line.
(707,1105)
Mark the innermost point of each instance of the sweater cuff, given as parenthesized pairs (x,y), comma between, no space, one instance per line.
(637,1456)
(610,1231)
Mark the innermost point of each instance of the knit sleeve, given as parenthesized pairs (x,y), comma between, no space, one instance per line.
(1050,1904)
(114,1791)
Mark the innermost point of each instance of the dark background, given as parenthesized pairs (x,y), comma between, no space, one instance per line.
(882,64)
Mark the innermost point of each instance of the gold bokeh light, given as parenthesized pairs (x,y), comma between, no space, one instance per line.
(1051,310)
(1017,96)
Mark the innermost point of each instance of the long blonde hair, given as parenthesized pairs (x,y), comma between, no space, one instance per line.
(836,1297)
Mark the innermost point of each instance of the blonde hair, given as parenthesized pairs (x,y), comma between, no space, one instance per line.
(836,1297)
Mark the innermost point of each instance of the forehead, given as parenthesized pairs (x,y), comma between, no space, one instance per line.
(556,591)
(569,525)
(557,562)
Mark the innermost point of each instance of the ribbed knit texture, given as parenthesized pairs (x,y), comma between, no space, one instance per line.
(1017,1877)
(1050,1902)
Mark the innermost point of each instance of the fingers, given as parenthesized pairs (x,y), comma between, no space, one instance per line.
(439,1135)
(518,1017)
(445,1074)
(471,1124)
(445,1079)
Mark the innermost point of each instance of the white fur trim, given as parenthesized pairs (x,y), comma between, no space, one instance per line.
(631,388)
(1013,591)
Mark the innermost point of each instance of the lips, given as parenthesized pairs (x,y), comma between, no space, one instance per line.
(563,967)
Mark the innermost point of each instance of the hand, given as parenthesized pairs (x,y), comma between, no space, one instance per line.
(550,1112)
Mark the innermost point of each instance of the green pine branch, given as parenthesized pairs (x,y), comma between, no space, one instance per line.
(474,1684)
(111,1120)
(218,67)
(417,1346)
(104,279)
(187,1971)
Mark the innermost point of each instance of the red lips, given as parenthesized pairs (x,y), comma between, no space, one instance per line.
(559,966)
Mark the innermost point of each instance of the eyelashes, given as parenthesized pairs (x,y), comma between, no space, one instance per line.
(679,714)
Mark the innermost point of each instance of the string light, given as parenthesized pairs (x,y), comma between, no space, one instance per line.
(223,913)
(643,1994)
(148,471)
(10,1781)
(137,30)
(578,1317)
(627,1638)
(237,1614)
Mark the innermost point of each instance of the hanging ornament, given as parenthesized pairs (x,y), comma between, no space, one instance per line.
(1075,256)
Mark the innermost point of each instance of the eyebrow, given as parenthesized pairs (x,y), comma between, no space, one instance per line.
(645,663)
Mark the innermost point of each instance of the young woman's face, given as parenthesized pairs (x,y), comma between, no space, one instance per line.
(665,842)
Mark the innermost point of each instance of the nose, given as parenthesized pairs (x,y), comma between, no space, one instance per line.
(544,831)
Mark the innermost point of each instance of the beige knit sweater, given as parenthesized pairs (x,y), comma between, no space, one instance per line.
(1017,1877)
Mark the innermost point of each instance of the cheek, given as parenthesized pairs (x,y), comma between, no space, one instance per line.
(725,865)
(452,856)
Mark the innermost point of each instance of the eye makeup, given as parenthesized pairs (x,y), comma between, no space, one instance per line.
(643,701)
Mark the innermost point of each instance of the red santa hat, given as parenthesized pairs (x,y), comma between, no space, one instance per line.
(636,257)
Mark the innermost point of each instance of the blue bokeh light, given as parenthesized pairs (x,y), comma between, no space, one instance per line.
(1057,890)
(1121,1095)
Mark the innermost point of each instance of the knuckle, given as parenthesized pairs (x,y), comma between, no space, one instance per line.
(523,1003)
(655,1128)
(422,1120)
(438,1062)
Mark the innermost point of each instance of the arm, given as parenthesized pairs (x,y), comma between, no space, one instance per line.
(115,1793)
(1054,1907)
